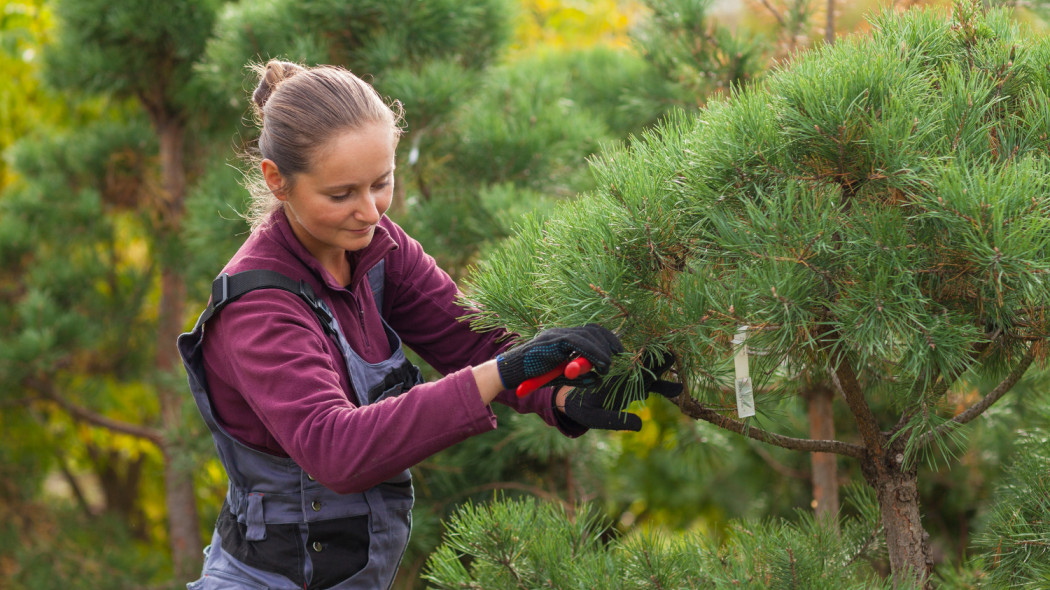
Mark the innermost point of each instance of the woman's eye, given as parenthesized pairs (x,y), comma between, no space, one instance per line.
(341,197)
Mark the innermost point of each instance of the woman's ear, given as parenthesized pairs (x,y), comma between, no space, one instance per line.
(273,179)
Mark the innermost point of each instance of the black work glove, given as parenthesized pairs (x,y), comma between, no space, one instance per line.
(603,406)
(550,348)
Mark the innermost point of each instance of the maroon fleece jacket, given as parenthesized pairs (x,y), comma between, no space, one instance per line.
(279,384)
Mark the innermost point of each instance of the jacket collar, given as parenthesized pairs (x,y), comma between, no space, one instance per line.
(361,261)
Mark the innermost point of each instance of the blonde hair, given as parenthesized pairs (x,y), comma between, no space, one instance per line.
(298,110)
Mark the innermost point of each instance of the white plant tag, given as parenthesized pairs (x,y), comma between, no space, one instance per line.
(745,395)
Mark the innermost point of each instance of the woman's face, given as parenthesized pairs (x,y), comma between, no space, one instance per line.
(334,207)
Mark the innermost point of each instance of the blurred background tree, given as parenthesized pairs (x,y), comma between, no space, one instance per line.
(92,244)
(103,260)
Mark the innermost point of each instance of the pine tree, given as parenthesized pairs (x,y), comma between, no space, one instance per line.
(876,211)
(494,546)
(122,177)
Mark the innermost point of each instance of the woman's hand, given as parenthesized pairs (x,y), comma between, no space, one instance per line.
(604,405)
(550,348)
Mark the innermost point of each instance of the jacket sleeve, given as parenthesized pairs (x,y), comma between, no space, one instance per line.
(268,352)
(420,304)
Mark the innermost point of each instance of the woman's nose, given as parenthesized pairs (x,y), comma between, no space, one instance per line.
(369,210)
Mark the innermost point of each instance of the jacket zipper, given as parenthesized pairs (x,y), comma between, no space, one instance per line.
(360,318)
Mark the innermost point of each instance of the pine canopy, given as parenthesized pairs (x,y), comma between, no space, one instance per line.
(882,203)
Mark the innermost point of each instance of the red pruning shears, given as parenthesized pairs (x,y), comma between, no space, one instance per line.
(571,369)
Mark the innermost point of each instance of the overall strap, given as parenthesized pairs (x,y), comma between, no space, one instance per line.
(228,288)
(376,278)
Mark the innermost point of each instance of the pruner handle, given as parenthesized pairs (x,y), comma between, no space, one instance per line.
(577,367)
(571,369)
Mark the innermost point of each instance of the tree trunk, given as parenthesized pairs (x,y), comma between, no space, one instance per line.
(180,497)
(183,522)
(896,486)
(829,26)
(825,475)
(181,501)
(121,481)
(907,542)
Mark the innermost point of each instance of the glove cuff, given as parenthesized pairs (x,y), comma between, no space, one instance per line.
(511,373)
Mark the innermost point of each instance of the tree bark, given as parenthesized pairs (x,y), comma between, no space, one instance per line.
(183,528)
(121,480)
(829,26)
(825,475)
(907,542)
(180,498)
(697,411)
(895,485)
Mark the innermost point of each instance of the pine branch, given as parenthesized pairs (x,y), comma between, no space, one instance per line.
(904,420)
(652,567)
(63,467)
(774,12)
(986,402)
(697,411)
(22,401)
(867,543)
(943,383)
(778,466)
(74,485)
(845,380)
(624,312)
(47,391)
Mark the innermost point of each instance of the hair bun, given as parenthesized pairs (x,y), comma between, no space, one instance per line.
(270,77)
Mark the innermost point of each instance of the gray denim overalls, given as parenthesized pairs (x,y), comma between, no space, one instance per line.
(278,528)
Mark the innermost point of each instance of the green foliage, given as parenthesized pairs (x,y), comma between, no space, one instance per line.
(858,205)
(91,222)
(76,291)
(875,208)
(102,46)
(74,251)
(1016,536)
(1004,491)
(214,228)
(695,55)
(25,105)
(607,83)
(517,145)
(686,475)
(23,467)
(526,137)
(65,549)
(496,545)
(500,536)
(532,124)
(373,38)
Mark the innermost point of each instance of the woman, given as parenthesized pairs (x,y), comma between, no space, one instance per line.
(302,378)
